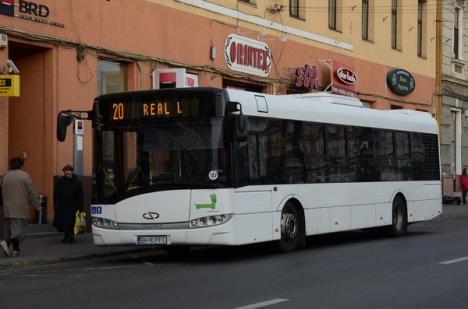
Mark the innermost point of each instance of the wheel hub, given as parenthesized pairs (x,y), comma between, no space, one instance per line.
(289,225)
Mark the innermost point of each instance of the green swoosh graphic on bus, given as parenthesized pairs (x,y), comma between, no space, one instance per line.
(212,205)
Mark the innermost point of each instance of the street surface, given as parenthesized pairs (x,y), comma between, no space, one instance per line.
(428,268)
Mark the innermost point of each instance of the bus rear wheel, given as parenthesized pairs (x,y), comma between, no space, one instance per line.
(399,225)
(292,230)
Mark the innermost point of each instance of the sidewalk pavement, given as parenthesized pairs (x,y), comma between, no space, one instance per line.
(47,248)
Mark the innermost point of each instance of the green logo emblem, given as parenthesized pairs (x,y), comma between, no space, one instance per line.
(212,205)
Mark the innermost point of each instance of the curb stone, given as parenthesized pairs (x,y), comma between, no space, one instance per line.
(30,263)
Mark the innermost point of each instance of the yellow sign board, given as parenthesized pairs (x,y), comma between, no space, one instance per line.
(9,86)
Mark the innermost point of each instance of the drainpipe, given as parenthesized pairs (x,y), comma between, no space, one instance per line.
(438,90)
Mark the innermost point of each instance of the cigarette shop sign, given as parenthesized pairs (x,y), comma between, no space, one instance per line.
(247,55)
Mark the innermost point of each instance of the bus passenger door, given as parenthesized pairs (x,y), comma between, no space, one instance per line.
(252,198)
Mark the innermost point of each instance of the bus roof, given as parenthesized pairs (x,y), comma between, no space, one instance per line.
(331,108)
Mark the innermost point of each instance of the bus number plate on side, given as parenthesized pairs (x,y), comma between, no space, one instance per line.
(148,240)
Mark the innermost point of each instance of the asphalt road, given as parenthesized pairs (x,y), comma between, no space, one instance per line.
(428,268)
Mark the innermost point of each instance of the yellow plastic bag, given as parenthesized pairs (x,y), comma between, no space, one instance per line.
(80,222)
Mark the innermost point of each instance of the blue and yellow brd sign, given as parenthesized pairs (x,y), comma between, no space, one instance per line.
(9,86)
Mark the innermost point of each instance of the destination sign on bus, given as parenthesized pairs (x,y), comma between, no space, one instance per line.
(147,110)
(149,105)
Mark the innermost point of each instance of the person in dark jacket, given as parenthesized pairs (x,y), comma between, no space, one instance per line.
(68,198)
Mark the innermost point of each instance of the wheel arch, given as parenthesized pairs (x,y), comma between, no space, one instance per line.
(300,208)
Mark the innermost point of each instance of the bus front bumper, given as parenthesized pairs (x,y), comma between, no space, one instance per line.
(214,235)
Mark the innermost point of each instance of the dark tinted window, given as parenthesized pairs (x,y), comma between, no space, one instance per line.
(383,143)
(258,150)
(417,156)
(294,152)
(335,140)
(403,156)
(365,155)
(277,151)
(287,152)
(314,156)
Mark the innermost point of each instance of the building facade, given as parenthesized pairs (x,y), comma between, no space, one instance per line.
(454,91)
(68,52)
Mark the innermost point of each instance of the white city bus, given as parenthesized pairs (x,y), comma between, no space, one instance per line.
(205,166)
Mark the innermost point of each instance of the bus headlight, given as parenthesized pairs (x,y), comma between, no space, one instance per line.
(105,223)
(210,221)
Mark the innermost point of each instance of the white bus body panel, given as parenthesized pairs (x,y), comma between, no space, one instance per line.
(328,207)
(257,211)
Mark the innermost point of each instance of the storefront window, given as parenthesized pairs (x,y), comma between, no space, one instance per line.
(111,77)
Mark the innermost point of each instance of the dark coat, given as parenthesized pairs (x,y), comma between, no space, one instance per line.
(68,198)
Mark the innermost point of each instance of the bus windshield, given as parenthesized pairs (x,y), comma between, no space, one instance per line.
(168,154)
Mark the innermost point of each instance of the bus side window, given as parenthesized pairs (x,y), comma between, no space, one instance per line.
(314,153)
(294,152)
(417,156)
(384,154)
(258,150)
(365,154)
(403,155)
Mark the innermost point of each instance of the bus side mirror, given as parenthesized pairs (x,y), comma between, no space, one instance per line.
(240,121)
(63,121)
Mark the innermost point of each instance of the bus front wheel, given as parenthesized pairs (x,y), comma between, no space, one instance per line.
(292,229)
(399,217)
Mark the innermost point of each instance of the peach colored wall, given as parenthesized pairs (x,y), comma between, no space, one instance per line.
(147,35)
(146,29)
(27,115)
(3,122)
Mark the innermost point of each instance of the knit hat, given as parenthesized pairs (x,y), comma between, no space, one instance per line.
(67,167)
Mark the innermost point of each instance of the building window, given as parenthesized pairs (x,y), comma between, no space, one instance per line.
(368,20)
(111,77)
(365,19)
(332,14)
(457,33)
(396,25)
(249,1)
(421,28)
(295,8)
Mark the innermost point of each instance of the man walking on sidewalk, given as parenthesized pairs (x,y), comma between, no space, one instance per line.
(18,195)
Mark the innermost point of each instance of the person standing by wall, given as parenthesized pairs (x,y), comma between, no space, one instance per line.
(464,184)
(18,195)
(68,198)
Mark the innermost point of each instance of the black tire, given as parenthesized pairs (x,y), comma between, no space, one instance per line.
(399,225)
(292,229)
(177,251)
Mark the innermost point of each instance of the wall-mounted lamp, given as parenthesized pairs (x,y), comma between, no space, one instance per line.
(3,40)
(212,52)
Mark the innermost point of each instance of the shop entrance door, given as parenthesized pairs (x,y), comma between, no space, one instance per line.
(29,122)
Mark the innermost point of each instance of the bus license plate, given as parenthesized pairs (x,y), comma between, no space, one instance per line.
(146,240)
